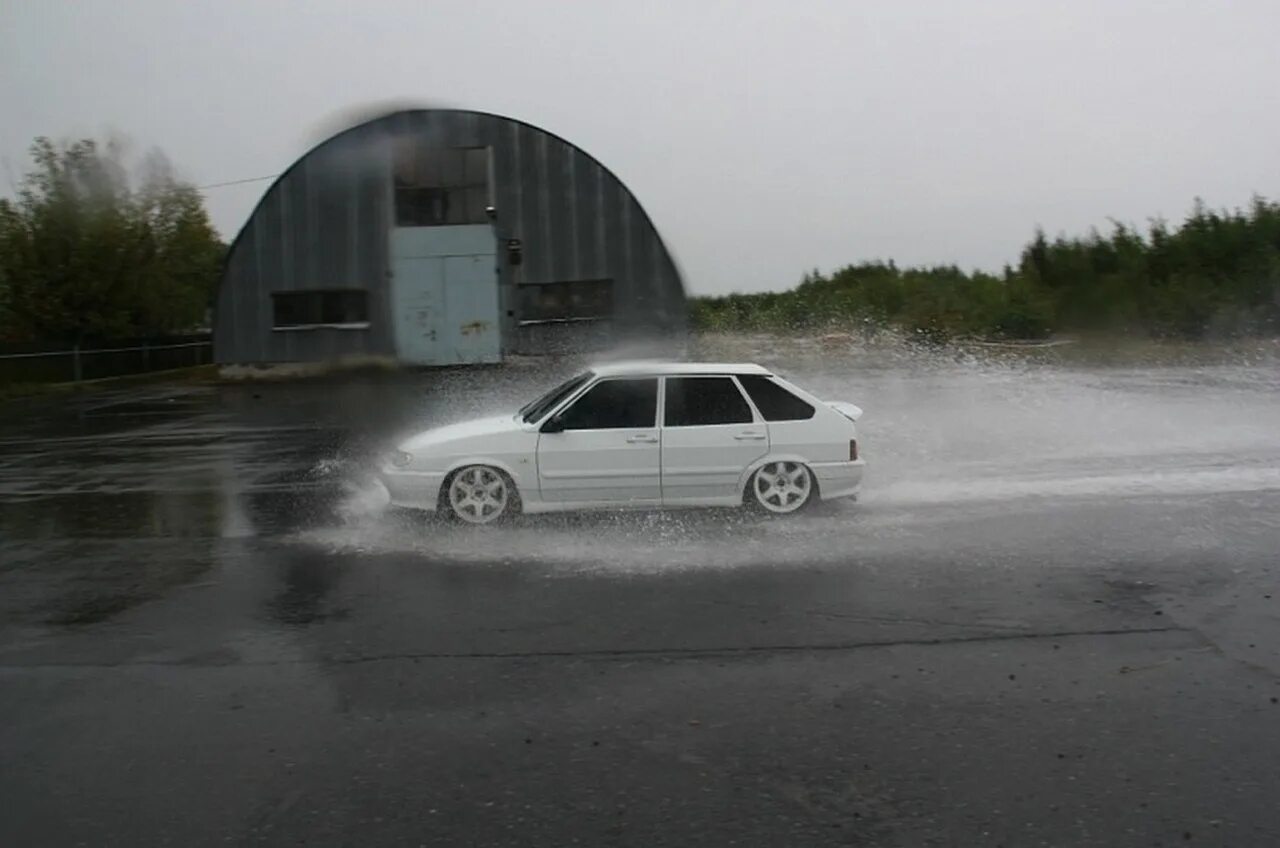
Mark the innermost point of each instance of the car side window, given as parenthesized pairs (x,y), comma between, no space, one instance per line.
(774,402)
(694,401)
(615,405)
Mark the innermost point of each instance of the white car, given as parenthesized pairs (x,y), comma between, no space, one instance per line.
(638,435)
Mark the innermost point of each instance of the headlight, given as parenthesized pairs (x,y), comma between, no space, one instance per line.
(400,459)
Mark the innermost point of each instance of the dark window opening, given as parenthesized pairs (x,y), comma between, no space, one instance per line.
(774,402)
(330,307)
(440,186)
(577,300)
(615,405)
(699,401)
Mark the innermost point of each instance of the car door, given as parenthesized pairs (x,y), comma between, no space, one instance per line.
(709,436)
(604,447)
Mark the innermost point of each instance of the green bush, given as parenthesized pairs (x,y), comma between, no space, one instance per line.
(1218,274)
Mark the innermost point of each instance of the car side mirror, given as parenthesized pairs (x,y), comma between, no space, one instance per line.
(554,424)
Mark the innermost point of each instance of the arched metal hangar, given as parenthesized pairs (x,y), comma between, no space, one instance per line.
(444,237)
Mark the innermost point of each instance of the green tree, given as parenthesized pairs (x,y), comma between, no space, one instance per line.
(85,253)
(1216,275)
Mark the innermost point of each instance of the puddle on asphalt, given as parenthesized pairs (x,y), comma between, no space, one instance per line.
(114,585)
(171,407)
(304,596)
(199,514)
(948,441)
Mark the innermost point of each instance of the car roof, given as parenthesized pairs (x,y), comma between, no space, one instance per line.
(615,369)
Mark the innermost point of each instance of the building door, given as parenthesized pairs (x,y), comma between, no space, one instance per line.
(444,295)
(444,263)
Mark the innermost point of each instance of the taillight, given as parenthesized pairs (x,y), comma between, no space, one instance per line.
(853,450)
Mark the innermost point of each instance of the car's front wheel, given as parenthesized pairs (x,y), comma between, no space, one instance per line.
(479,494)
(782,487)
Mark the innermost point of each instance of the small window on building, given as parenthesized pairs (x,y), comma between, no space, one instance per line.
(774,402)
(344,308)
(577,300)
(437,186)
(615,405)
(699,401)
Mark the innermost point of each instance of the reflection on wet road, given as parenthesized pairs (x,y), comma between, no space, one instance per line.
(1085,545)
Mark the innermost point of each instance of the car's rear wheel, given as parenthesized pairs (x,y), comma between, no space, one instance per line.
(782,488)
(479,494)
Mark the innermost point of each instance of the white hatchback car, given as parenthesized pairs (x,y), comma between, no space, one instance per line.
(638,435)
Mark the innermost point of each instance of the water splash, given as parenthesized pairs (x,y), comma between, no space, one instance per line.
(947,433)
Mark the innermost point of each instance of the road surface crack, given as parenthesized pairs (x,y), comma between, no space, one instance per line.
(691,653)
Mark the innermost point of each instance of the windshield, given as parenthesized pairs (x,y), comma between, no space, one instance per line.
(535,409)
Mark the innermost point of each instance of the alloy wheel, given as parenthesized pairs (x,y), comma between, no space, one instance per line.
(782,487)
(479,494)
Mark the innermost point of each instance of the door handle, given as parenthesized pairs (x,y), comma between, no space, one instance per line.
(750,437)
(643,439)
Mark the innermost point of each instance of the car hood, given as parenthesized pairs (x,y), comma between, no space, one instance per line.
(461,432)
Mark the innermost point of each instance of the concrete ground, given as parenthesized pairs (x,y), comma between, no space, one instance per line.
(1053,619)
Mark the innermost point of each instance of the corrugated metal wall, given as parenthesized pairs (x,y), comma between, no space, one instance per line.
(325,224)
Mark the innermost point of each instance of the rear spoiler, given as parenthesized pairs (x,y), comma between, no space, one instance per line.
(848,410)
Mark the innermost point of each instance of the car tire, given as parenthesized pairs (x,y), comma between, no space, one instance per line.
(479,495)
(782,488)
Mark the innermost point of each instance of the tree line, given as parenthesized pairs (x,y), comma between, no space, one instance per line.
(92,250)
(1215,275)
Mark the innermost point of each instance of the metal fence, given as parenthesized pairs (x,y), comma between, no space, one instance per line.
(96,362)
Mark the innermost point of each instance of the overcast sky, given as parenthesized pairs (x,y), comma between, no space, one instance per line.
(764,139)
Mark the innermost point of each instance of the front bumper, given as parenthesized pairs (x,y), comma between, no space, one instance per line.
(413,489)
(839,479)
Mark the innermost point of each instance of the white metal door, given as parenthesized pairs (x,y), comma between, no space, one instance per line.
(600,466)
(704,462)
(444,294)
(609,449)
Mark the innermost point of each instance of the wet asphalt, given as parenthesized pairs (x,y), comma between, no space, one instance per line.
(1053,619)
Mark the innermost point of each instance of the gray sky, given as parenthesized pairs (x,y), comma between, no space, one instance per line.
(763,138)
